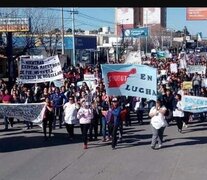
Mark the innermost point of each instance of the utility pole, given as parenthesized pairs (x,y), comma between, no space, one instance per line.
(73,34)
(117,48)
(63,49)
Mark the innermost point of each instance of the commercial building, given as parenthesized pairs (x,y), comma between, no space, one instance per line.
(154,18)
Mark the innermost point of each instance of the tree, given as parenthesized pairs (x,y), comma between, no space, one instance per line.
(69,31)
(185,31)
(43,31)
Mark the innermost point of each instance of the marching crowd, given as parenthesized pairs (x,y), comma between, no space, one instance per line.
(98,114)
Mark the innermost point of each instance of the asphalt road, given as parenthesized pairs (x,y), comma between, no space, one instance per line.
(24,155)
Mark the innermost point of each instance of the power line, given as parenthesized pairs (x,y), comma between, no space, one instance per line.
(95,19)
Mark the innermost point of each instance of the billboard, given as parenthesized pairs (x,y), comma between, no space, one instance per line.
(81,42)
(125,15)
(151,16)
(196,14)
(124,18)
(15,24)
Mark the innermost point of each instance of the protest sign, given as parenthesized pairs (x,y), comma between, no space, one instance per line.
(40,70)
(197,68)
(173,68)
(187,85)
(32,112)
(130,80)
(194,104)
(89,77)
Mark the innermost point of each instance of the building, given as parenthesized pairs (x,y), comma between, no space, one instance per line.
(154,18)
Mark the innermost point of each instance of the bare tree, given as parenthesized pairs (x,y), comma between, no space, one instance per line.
(42,31)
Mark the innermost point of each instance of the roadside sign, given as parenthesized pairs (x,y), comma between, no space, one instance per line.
(136,32)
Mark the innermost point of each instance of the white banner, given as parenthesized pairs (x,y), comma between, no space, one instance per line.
(197,68)
(33,112)
(173,68)
(89,77)
(40,70)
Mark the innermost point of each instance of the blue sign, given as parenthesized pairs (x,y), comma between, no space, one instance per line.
(130,80)
(136,32)
(81,42)
(194,104)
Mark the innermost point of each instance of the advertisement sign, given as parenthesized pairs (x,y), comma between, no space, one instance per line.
(81,42)
(151,16)
(196,13)
(136,32)
(130,80)
(15,24)
(125,15)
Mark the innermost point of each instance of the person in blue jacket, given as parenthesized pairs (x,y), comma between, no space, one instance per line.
(58,99)
(114,121)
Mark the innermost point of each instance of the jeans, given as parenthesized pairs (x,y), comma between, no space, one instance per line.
(84,131)
(113,131)
(45,123)
(7,121)
(104,127)
(179,121)
(58,112)
(70,129)
(157,136)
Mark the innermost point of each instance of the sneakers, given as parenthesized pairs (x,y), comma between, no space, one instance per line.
(180,130)
(153,147)
(160,146)
(185,125)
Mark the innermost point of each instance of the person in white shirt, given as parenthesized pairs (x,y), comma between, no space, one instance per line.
(158,123)
(85,115)
(70,115)
(178,113)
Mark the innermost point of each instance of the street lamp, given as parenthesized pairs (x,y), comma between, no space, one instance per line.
(117,48)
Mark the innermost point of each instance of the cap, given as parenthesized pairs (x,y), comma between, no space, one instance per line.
(82,100)
(114,100)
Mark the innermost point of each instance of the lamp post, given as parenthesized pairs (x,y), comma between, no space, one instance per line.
(63,50)
(73,36)
(117,48)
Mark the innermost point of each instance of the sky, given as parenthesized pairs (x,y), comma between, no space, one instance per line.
(94,18)
(176,19)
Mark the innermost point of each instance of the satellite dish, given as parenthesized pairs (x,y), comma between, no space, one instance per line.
(111,51)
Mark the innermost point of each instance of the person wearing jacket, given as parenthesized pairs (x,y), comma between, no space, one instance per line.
(70,115)
(114,121)
(58,102)
(85,115)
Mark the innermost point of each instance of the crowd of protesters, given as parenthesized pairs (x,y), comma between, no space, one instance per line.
(98,114)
